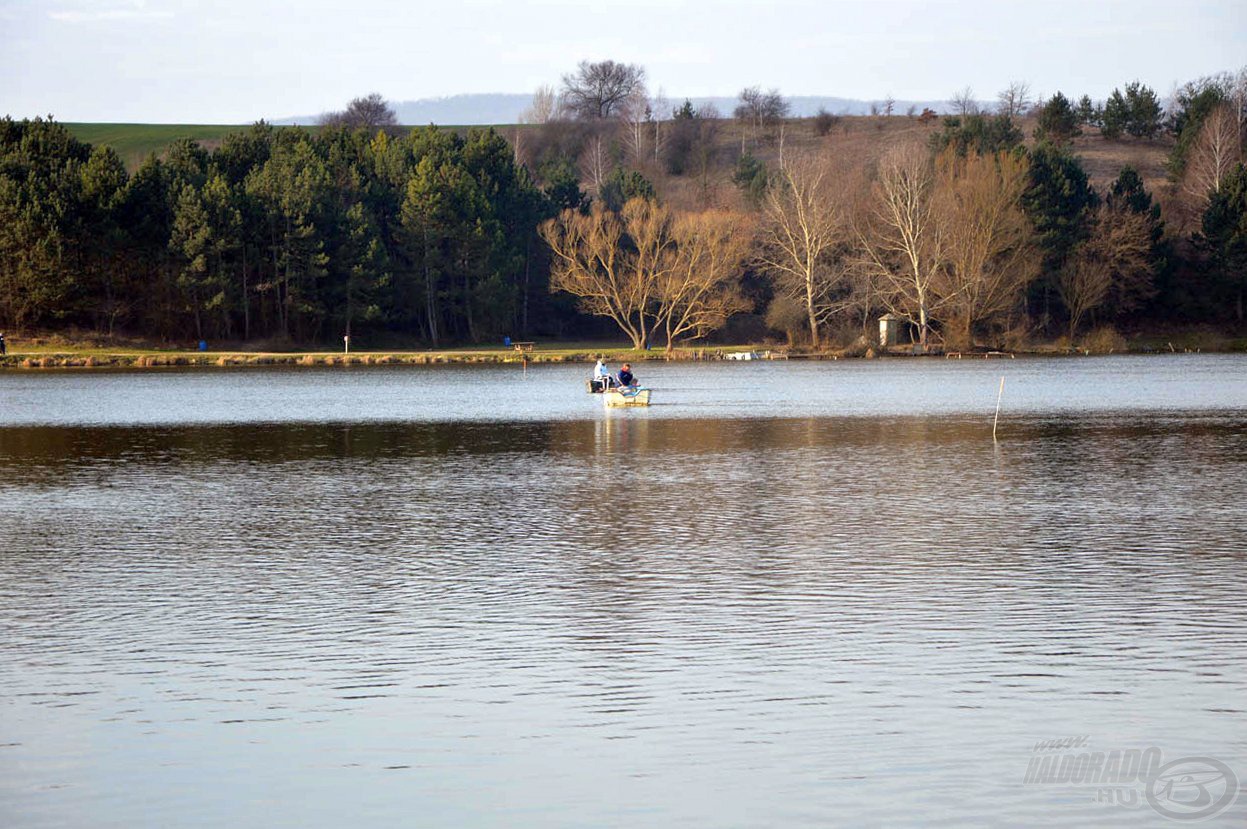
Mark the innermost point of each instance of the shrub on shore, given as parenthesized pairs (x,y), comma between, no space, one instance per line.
(1105,340)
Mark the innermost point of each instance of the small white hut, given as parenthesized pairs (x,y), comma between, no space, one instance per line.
(890,330)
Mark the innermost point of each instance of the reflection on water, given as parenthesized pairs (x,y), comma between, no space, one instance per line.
(618,620)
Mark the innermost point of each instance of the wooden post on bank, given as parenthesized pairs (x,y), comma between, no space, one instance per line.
(999,395)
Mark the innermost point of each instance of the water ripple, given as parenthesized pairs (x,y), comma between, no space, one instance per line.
(621,620)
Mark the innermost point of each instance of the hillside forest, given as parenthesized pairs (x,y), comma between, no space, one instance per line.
(612,211)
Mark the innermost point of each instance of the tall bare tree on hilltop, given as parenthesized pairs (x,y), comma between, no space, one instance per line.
(371,112)
(635,114)
(962,103)
(759,111)
(1014,100)
(546,107)
(597,90)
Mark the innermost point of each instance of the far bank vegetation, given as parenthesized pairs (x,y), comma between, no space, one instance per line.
(612,207)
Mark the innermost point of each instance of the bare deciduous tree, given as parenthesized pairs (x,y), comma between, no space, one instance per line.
(545,107)
(824,122)
(648,269)
(613,278)
(1217,149)
(702,287)
(903,238)
(597,90)
(595,162)
(805,227)
(1014,100)
(368,112)
(761,111)
(585,253)
(634,116)
(889,105)
(990,258)
(1114,261)
(962,103)
(1238,95)
(650,257)
(661,112)
(704,153)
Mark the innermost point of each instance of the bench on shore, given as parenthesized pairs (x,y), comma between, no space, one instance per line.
(523,348)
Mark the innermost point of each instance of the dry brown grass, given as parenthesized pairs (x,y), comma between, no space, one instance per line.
(1105,340)
(865,139)
(1104,160)
(861,138)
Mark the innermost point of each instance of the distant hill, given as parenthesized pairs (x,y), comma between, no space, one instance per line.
(506,108)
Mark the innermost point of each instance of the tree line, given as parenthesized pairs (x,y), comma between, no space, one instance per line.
(426,235)
(971,235)
(277,233)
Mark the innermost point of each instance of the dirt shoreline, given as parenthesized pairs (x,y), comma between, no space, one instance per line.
(104,358)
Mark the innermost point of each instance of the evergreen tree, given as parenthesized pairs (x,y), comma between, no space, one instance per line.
(1116,117)
(623,185)
(1224,237)
(101,289)
(1145,111)
(1194,103)
(1088,113)
(1060,204)
(562,188)
(751,178)
(41,240)
(292,187)
(367,275)
(1058,123)
(981,134)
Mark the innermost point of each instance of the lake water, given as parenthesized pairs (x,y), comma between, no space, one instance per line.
(787,594)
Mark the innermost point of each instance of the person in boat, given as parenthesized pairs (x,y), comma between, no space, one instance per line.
(626,377)
(602,376)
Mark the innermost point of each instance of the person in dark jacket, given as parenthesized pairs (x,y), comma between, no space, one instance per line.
(626,378)
(3,349)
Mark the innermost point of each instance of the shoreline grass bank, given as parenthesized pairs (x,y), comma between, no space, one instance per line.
(52,357)
(51,350)
(88,357)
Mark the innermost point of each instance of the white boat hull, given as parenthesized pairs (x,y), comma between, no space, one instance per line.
(614,398)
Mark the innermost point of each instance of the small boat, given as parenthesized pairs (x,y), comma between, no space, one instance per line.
(626,397)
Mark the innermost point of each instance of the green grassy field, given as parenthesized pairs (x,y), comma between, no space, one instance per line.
(135,142)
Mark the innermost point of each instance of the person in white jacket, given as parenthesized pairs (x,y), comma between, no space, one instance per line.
(602,376)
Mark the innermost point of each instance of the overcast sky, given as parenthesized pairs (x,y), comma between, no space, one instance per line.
(234,61)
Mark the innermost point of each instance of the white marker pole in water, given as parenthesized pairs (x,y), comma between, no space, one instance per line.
(999,395)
